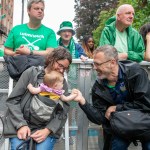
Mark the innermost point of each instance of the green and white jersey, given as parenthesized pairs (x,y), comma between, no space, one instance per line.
(35,39)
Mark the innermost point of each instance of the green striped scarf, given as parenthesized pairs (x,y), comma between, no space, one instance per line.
(71,47)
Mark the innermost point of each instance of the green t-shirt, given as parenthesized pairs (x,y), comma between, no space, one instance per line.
(36,39)
(121,42)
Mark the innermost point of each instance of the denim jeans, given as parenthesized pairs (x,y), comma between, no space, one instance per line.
(122,144)
(48,144)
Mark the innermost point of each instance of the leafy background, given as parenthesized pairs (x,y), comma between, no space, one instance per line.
(91,15)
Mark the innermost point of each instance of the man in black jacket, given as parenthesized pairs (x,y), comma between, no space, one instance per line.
(120,86)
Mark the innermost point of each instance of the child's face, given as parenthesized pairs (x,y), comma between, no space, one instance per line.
(59,84)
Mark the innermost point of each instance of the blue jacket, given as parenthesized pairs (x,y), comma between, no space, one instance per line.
(79,50)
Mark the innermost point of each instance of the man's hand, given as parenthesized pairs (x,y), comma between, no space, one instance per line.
(79,98)
(23,50)
(40,135)
(23,132)
(122,56)
(74,91)
(109,111)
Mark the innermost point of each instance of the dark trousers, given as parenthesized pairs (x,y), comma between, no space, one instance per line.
(116,143)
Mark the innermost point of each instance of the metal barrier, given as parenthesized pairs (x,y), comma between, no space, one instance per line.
(6,86)
(79,133)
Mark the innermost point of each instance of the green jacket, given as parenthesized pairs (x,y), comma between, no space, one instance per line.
(135,42)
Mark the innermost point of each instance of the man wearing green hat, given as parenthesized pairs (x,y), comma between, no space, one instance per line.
(66,40)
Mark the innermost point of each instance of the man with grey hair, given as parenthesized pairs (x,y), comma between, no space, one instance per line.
(32,38)
(121,85)
(119,33)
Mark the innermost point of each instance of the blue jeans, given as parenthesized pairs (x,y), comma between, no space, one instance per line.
(122,144)
(48,144)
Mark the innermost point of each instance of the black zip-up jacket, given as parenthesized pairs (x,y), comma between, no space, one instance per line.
(138,87)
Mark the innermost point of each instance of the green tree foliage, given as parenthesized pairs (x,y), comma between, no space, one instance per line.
(87,12)
(104,15)
(142,15)
(87,15)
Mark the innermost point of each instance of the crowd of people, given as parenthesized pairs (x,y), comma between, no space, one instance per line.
(38,104)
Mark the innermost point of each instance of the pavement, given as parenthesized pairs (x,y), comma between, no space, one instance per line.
(92,144)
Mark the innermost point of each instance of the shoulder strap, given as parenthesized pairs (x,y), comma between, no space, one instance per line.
(36,72)
(24,144)
(27,95)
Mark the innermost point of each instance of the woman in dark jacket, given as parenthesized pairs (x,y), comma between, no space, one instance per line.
(20,122)
(88,45)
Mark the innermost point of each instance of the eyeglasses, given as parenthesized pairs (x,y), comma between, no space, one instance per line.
(99,64)
(62,66)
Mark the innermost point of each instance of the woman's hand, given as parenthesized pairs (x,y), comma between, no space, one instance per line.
(23,132)
(147,52)
(83,58)
(148,36)
(40,135)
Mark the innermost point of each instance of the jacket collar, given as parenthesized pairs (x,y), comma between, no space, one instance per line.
(124,65)
(111,24)
(102,91)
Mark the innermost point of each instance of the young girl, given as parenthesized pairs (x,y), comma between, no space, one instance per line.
(88,45)
(52,86)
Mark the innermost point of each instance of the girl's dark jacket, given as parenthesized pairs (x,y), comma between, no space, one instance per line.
(137,85)
(18,106)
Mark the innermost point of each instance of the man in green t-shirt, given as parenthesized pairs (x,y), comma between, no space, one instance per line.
(66,33)
(119,33)
(32,38)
